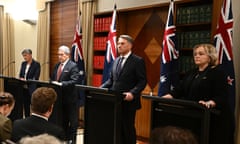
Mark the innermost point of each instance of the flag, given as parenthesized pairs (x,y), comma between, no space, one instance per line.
(223,43)
(169,76)
(111,49)
(77,57)
(77,51)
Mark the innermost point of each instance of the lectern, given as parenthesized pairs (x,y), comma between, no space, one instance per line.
(181,113)
(102,115)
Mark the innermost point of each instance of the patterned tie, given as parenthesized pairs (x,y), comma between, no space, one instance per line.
(59,71)
(119,66)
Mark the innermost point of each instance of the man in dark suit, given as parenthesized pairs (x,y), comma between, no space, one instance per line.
(42,102)
(66,74)
(128,75)
(30,69)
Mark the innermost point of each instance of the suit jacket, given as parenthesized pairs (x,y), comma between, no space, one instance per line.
(33,72)
(69,77)
(132,78)
(34,125)
(5,128)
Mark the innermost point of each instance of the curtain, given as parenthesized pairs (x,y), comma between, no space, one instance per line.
(88,10)
(1,44)
(43,41)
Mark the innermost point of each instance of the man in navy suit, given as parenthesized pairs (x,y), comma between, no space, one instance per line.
(66,74)
(30,69)
(42,102)
(128,75)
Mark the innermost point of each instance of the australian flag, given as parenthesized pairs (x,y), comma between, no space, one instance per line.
(224,45)
(169,76)
(111,49)
(77,51)
(77,57)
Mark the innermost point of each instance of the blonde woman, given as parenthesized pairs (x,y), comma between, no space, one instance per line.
(207,85)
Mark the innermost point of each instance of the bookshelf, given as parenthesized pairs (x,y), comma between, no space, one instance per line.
(102,24)
(193,20)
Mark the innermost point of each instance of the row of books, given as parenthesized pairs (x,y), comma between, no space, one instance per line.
(97,80)
(98,62)
(102,24)
(99,43)
(186,63)
(194,14)
(190,39)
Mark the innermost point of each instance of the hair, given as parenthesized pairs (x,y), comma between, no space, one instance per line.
(65,49)
(27,51)
(6,98)
(211,52)
(42,99)
(172,135)
(128,38)
(40,139)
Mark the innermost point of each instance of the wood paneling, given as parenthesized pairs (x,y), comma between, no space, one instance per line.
(62,25)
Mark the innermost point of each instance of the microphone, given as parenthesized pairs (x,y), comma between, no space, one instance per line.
(7,66)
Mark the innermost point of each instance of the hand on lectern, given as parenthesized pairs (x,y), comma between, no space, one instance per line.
(57,83)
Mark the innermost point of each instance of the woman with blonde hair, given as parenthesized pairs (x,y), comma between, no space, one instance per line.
(207,85)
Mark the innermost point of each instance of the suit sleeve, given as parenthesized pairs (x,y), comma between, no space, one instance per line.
(140,76)
(73,76)
(37,71)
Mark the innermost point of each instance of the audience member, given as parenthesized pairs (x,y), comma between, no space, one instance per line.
(42,102)
(40,139)
(172,135)
(6,105)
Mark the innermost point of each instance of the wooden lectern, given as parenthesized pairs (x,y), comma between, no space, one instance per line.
(181,113)
(102,115)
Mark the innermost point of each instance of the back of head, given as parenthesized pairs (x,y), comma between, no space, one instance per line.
(42,99)
(6,98)
(40,139)
(172,135)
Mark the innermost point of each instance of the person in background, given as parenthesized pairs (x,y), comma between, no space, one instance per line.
(66,74)
(6,105)
(40,139)
(42,102)
(30,69)
(172,135)
(207,85)
(128,76)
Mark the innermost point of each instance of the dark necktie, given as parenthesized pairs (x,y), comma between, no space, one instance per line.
(119,66)
(59,71)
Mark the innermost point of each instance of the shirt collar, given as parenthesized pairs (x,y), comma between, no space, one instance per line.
(34,114)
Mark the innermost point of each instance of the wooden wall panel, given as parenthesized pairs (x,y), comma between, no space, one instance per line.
(62,25)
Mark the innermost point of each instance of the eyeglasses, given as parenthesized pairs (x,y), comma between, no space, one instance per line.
(4,97)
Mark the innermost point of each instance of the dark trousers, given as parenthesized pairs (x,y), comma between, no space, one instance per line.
(70,120)
(128,126)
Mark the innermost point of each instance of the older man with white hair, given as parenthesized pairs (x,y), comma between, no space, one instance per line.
(66,74)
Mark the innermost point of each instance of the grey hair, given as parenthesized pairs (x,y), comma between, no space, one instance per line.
(127,37)
(65,49)
(27,51)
